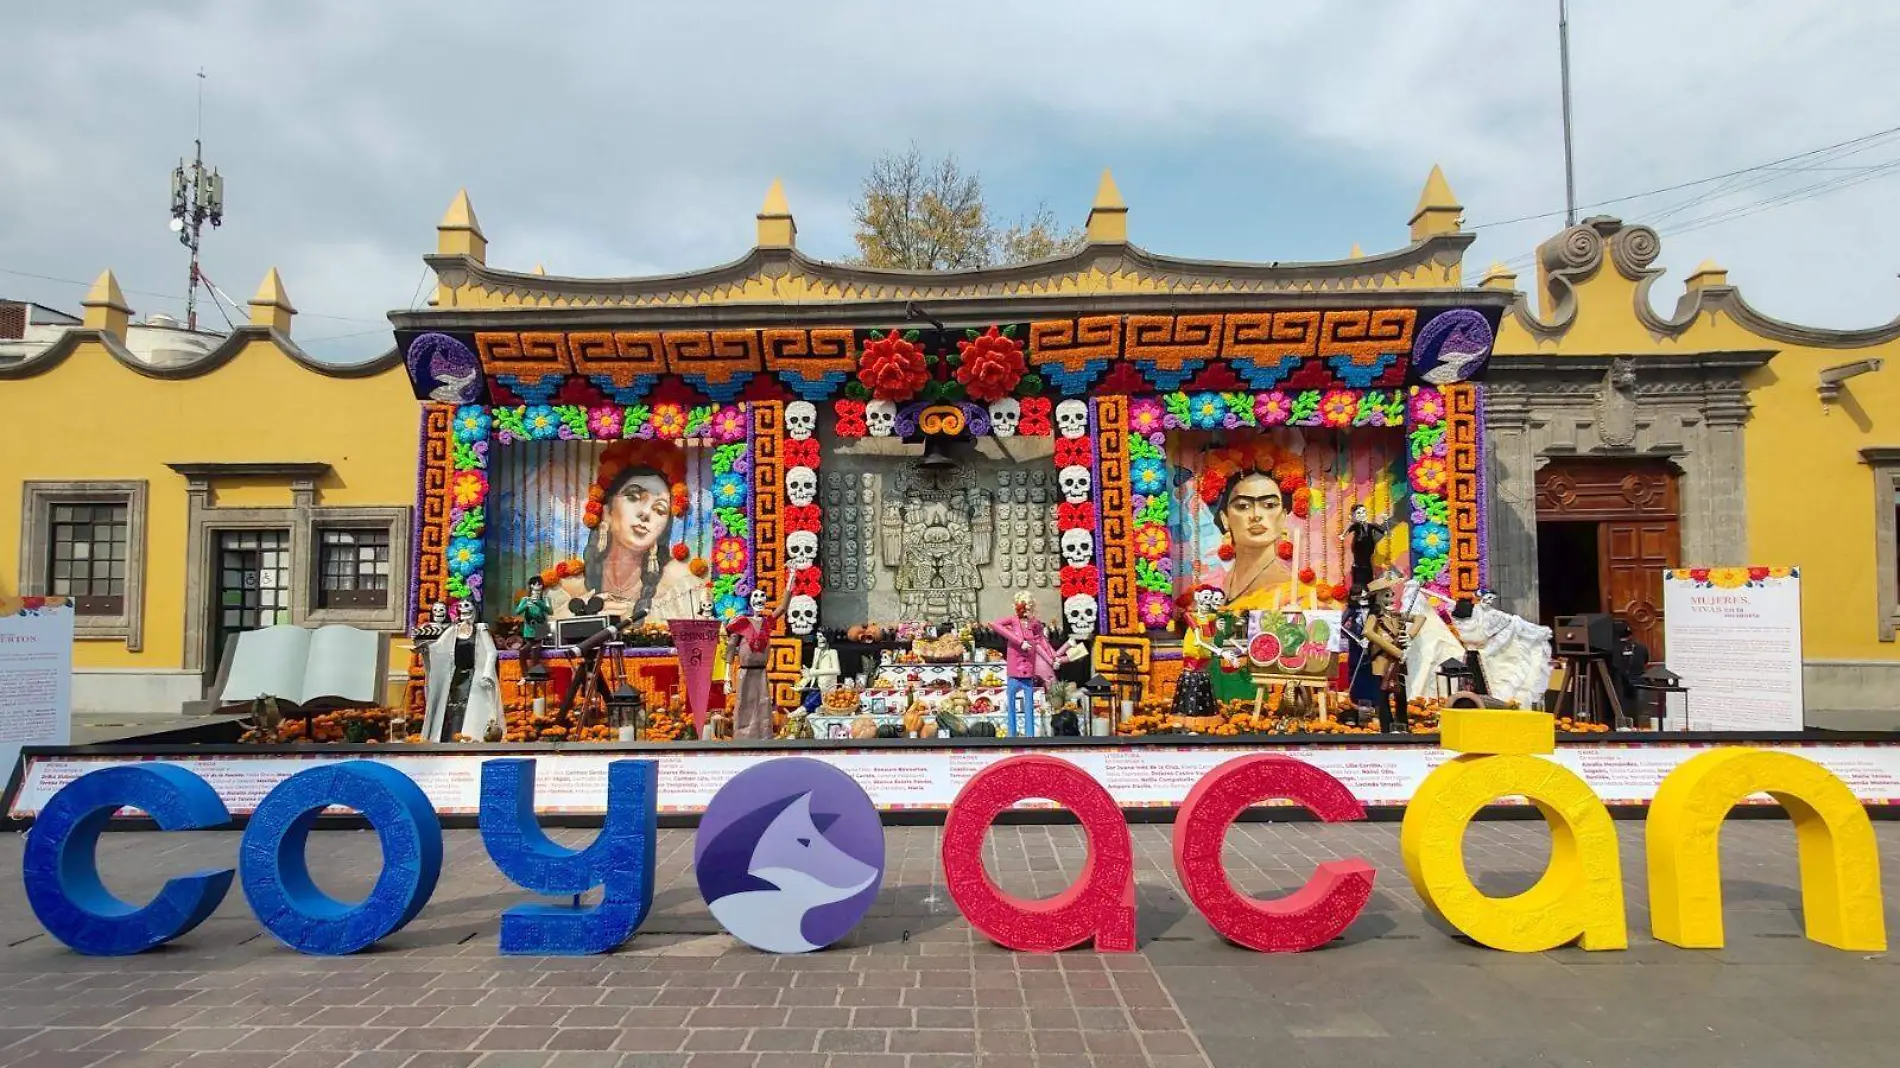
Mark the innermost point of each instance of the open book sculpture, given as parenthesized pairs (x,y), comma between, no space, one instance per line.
(334,665)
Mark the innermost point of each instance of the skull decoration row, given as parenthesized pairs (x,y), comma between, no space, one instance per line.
(801,486)
(1072,419)
(1075,483)
(801,614)
(801,550)
(801,420)
(1078,547)
(1079,611)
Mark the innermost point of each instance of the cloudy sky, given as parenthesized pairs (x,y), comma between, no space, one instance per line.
(611,139)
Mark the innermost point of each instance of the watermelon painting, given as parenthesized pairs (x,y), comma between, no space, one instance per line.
(1264,649)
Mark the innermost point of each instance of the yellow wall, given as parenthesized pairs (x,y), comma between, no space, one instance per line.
(94,418)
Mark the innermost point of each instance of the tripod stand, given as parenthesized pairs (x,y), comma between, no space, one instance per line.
(1589,689)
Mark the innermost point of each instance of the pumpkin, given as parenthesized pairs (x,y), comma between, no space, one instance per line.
(863,727)
(890,730)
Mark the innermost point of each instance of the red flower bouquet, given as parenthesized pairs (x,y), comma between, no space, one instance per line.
(1078,580)
(992,366)
(801,453)
(893,368)
(1072,516)
(1035,418)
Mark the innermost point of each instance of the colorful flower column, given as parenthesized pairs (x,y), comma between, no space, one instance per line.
(468,490)
(1429,475)
(1153,515)
(732,502)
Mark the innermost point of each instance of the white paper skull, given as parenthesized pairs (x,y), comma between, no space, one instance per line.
(1078,547)
(801,614)
(759,600)
(1072,419)
(1080,611)
(801,420)
(880,417)
(801,485)
(1004,415)
(439,613)
(801,549)
(1075,482)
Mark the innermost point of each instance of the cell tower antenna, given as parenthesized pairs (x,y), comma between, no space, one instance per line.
(197,198)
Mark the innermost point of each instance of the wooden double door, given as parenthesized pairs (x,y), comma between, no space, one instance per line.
(1606,531)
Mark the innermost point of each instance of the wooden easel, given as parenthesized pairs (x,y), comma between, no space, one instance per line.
(1317,688)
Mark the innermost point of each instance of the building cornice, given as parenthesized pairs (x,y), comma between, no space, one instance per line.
(237,341)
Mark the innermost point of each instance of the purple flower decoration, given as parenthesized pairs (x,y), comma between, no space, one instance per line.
(742,463)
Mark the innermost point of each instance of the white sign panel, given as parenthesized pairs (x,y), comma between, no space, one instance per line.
(574,781)
(36,675)
(1734,635)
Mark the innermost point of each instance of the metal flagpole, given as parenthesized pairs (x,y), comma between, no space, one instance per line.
(1570,170)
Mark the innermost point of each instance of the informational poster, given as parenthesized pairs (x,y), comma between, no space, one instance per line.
(36,675)
(1734,635)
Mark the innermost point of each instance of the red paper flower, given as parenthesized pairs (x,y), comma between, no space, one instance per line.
(801,453)
(850,422)
(992,365)
(1071,516)
(1286,550)
(1699,574)
(1340,591)
(1035,418)
(1074,452)
(1757,574)
(1307,576)
(1209,485)
(681,552)
(809,581)
(1301,504)
(1226,550)
(801,517)
(1078,580)
(893,368)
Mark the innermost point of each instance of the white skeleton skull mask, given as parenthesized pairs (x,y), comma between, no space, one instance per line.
(1075,483)
(1078,547)
(801,615)
(1209,599)
(801,486)
(1072,419)
(465,611)
(880,417)
(1079,610)
(1005,414)
(439,613)
(759,600)
(801,420)
(801,549)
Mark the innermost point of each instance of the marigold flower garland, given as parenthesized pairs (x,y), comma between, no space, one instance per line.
(1153,506)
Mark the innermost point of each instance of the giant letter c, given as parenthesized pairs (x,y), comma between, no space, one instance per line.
(1309,917)
(1100,904)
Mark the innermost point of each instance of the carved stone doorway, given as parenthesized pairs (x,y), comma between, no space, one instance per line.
(1634,507)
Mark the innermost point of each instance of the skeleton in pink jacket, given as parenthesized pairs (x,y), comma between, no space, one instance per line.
(1028,659)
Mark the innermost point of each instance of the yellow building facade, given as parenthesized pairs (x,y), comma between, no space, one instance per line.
(184,501)
(1620,439)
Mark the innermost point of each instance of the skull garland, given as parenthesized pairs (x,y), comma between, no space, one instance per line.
(1075,482)
(801,549)
(1078,547)
(1072,419)
(801,486)
(1079,610)
(880,417)
(1005,414)
(801,615)
(801,420)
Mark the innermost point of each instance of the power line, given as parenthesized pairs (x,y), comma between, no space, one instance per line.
(1693,183)
(168,296)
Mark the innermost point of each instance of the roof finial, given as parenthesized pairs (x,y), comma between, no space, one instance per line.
(106,310)
(1108,216)
(460,233)
(271,306)
(1707,273)
(777,228)
(1438,210)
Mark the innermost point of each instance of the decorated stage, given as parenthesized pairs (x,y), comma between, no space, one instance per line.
(910,779)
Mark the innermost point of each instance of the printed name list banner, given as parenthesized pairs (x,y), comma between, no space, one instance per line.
(574,782)
(1734,635)
(36,675)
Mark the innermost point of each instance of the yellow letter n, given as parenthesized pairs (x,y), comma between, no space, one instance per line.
(1580,896)
(1834,839)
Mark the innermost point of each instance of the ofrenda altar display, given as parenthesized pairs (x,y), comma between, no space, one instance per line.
(790,854)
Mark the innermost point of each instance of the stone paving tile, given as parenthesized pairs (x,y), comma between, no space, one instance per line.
(915,988)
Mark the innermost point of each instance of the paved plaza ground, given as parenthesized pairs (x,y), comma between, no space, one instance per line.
(914,988)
